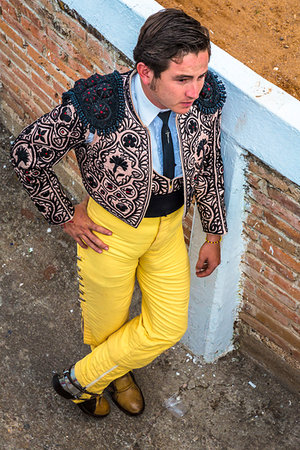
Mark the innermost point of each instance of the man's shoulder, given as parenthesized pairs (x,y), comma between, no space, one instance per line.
(212,96)
(99,101)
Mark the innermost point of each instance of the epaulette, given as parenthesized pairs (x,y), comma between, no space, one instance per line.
(212,96)
(99,101)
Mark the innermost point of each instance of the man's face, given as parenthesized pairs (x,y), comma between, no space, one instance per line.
(180,85)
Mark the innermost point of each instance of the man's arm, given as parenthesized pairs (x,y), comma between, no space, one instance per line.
(81,228)
(209,190)
(36,150)
(209,256)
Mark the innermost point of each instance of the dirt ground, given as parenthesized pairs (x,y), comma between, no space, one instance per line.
(230,404)
(265,36)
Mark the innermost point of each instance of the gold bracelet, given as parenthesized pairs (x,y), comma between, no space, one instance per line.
(214,242)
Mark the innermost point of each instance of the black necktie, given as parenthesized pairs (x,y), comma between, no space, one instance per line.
(167,145)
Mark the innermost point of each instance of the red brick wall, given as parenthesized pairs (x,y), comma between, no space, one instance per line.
(270,311)
(43,51)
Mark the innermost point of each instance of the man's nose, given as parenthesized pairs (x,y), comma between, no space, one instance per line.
(193,90)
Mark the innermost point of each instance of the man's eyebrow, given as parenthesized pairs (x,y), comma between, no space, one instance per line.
(189,77)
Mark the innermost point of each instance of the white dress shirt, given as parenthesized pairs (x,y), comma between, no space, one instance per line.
(147,112)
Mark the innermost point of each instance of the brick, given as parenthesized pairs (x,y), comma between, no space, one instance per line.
(11,33)
(63,67)
(107,55)
(22,9)
(122,68)
(49,67)
(284,200)
(253,235)
(253,180)
(29,62)
(272,234)
(44,6)
(9,54)
(94,46)
(72,161)
(43,84)
(36,35)
(29,109)
(258,167)
(270,275)
(264,331)
(44,106)
(293,315)
(249,285)
(274,178)
(254,263)
(289,231)
(270,287)
(22,87)
(255,209)
(261,199)
(285,258)
(8,9)
(82,61)
(22,54)
(31,85)
(282,283)
(295,328)
(265,258)
(273,329)
(275,207)
(58,44)
(12,83)
(59,89)
(8,97)
(188,221)
(27,30)
(264,307)
(77,29)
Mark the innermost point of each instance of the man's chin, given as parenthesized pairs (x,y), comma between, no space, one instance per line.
(183,109)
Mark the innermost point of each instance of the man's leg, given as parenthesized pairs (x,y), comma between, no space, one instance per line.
(106,287)
(163,273)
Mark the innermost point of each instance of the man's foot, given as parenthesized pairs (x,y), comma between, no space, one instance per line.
(97,407)
(126,394)
(68,387)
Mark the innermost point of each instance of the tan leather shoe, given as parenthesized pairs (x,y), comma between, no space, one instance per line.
(97,407)
(126,394)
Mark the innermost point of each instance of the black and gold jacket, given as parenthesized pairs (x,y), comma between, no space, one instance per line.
(116,166)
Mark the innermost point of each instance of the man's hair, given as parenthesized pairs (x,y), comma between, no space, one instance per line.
(168,35)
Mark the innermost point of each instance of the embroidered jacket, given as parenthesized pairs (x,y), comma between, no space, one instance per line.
(116,167)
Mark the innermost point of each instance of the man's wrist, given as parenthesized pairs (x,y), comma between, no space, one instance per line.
(213,238)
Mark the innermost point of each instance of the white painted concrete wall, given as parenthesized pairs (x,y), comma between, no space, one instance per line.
(258,117)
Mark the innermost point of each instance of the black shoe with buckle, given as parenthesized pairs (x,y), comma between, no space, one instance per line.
(68,387)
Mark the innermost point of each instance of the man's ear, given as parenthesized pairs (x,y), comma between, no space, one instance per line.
(145,73)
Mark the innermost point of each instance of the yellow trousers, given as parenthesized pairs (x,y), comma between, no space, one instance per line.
(156,254)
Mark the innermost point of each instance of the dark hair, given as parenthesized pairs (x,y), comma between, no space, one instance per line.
(168,35)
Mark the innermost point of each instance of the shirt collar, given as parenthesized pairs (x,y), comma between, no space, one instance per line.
(145,108)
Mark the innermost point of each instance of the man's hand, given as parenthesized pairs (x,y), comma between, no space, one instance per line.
(81,229)
(209,258)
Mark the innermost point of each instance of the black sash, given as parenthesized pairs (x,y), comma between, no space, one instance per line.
(164,204)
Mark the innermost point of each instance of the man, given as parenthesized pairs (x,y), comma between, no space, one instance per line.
(146,142)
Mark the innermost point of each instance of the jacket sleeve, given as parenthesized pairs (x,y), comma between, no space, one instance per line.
(37,149)
(209,181)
